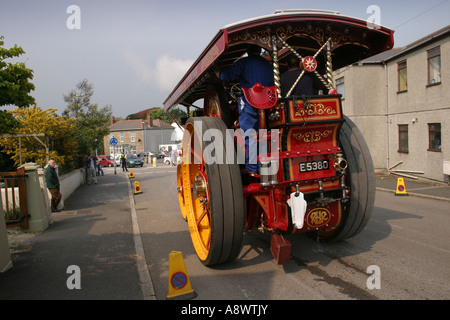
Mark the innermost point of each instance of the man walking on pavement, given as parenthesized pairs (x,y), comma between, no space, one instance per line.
(52,180)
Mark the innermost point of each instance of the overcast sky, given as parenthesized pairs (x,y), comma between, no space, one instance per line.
(134,52)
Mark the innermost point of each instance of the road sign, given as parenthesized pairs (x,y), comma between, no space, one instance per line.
(113,141)
(179,280)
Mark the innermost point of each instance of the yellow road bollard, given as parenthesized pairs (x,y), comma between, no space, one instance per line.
(401,189)
(179,284)
(137,188)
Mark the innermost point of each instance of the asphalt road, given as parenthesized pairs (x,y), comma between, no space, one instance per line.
(403,253)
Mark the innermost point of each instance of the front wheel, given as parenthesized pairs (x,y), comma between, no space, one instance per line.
(212,192)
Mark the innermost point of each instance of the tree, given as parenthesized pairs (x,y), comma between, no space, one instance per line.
(173,115)
(92,122)
(15,86)
(35,120)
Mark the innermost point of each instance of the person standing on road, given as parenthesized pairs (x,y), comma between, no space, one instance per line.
(99,167)
(86,168)
(92,169)
(123,161)
(52,180)
(172,157)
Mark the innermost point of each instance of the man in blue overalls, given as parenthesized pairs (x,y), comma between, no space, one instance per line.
(250,70)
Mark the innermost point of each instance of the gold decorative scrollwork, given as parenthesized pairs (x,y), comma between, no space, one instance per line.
(316,109)
(318,217)
(312,136)
(256,36)
(262,35)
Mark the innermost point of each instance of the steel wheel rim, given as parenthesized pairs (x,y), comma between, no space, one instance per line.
(198,211)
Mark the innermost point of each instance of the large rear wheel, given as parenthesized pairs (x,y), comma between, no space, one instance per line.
(216,103)
(211,191)
(360,179)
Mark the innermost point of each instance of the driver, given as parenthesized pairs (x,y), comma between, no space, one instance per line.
(249,71)
(304,86)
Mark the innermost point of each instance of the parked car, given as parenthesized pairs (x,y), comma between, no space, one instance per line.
(107,161)
(134,161)
(157,154)
(117,159)
(167,160)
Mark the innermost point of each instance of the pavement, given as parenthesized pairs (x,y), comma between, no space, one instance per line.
(417,188)
(93,250)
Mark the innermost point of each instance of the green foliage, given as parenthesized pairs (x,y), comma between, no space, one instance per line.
(91,121)
(173,115)
(14,78)
(8,124)
(35,120)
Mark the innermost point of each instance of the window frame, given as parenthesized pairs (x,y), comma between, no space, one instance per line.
(401,129)
(430,134)
(340,83)
(402,66)
(430,57)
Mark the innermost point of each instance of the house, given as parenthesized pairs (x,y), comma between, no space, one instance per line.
(138,135)
(400,100)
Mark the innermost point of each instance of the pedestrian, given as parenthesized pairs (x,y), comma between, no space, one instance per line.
(176,155)
(172,157)
(123,161)
(86,168)
(52,181)
(92,169)
(249,71)
(99,167)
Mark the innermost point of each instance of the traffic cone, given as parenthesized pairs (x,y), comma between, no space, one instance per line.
(137,188)
(179,284)
(401,189)
(131,174)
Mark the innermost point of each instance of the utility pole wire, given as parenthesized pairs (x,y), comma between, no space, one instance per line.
(407,21)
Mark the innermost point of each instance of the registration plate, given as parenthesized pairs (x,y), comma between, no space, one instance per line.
(314,165)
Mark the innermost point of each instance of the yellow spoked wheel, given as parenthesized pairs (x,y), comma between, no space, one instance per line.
(210,192)
(180,191)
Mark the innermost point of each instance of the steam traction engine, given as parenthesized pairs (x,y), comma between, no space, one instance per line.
(317,174)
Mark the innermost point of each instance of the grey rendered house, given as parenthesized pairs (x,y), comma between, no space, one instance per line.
(400,100)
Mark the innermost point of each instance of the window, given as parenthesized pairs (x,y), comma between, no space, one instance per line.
(403,138)
(133,136)
(121,137)
(340,86)
(402,76)
(434,133)
(434,66)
